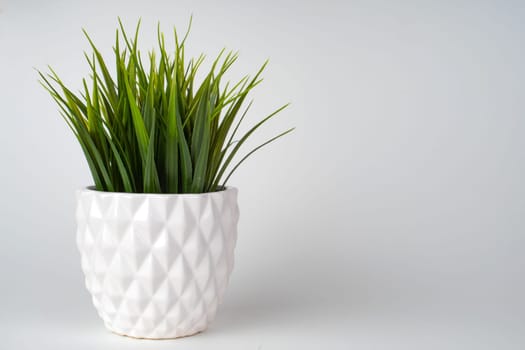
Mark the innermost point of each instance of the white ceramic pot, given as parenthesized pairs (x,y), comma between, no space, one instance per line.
(157,265)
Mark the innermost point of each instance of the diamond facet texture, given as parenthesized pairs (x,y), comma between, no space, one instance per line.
(157,265)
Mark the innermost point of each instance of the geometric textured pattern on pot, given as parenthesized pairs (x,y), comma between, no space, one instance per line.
(157,265)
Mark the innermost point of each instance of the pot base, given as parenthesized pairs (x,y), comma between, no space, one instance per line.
(146,338)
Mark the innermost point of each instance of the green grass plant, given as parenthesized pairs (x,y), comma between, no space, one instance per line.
(151,127)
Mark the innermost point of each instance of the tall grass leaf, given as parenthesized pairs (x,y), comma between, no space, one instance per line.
(151,179)
(138,122)
(201,145)
(172,152)
(109,83)
(241,142)
(253,151)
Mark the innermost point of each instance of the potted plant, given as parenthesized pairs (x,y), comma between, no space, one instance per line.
(157,231)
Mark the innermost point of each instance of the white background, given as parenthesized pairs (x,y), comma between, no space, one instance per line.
(392,218)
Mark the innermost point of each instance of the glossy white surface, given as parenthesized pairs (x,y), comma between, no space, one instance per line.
(157,266)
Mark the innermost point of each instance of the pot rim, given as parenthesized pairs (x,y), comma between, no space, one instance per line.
(91,189)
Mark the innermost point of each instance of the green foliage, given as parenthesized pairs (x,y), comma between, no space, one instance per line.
(153,128)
